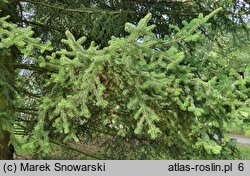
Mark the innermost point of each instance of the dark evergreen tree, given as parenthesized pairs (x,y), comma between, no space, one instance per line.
(144,94)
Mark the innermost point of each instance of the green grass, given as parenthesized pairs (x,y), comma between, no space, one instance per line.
(245,152)
(243,129)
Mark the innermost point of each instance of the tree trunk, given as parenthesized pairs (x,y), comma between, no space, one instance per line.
(6,148)
(7,80)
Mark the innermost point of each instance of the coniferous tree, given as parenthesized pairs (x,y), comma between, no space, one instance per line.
(145,96)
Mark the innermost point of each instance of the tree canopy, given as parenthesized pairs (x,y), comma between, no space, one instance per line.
(125,83)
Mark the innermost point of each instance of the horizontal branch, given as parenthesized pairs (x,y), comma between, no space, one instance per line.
(170,12)
(31,94)
(32,67)
(42,25)
(162,1)
(27,109)
(18,119)
(26,112)
(82,10)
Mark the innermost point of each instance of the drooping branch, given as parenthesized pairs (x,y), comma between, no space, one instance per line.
(23,120)
(32,67)
(162,1)
(42,25)
(25,111)
(82,10)
(31,94)
(92,10)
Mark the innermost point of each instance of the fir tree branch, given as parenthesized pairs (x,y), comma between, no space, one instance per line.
(92,10)
(33,114)
(32,67)
(162,1)
(178,39)
(22,120)
(26,109)
(82,10)
(23,130)
(42,25)
(26,112)
(27,92)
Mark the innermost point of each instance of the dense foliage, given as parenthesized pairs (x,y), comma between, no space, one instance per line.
(98,20)
(148,93)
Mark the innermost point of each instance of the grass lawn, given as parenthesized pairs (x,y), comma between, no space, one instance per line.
(60,154)
(242,129)
(245,151)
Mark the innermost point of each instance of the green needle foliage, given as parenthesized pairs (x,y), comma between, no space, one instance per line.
(21,38)
(140,97)
(13,41)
